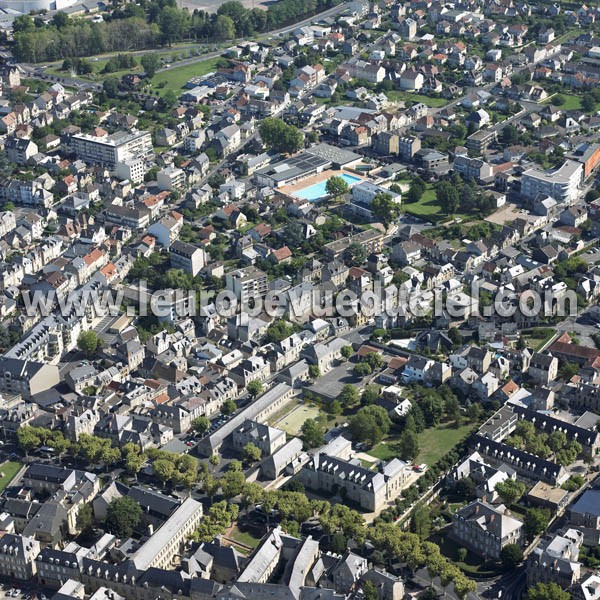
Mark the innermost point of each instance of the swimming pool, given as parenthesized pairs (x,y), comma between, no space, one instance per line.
(316,191)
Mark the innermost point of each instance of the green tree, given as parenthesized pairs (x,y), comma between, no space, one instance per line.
(85,518)
(312,434)
(511,555)
(362,369)
(547,591)
(224,28)
(110,87)
(348,396)
(200,425)
(536,521)
(347,352)
(370,591)
(280,136)
(164,469)
(370,425)
(123,515)
(420,522)
(336,187)
(251,453)
(150,63)
(385,208)
(229,407)
(447,196)
(28,438)
(408,445)
(255,388)
(214,459)
(89,342)
(510,490)
(314,372)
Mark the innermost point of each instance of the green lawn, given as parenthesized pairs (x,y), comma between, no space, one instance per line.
(572,102)
(8,470)
(537,337)
(473,565)
(400,96)
(243,537)
(435,443)
(427,206)
(175,79)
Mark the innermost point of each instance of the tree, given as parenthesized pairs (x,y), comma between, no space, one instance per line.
(348,396)
(385,208)
(229,406)
(150,63)
(85,518)
(510,490)
(447,196)
(255,388)
(588,103)
(251,453)
(408,445)
(110,87)
(511,555)
(252,494)
(370,591)
(280,136)
(164,469)
(420,522)
(89,343)
(536,521)
(214,459)
(347,352)
(465,488)
(355,255)
(224,28)
(336,187)
(314,372)
(312,434)
(123,515)
(370,424)
(370,395)
(362,369)
(547,591)
(28,438)
(200,425)
(232,484)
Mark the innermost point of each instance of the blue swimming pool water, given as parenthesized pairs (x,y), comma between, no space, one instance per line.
(317,191)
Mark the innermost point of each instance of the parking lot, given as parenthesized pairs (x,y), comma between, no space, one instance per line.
(8,591)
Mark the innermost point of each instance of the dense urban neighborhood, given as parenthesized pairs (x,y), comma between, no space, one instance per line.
(299,300)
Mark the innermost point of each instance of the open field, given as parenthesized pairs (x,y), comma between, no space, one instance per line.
(400,96)
(572,102)
(433,443)
(8,470)
(175,79)
(292,422)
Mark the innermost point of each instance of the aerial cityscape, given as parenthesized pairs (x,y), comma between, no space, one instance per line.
(299,300)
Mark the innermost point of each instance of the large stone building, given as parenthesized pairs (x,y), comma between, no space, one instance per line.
(371,490)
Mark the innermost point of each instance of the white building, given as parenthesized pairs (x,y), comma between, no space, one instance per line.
(561,184)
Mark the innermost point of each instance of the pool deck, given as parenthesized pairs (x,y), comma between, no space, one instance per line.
(290,190)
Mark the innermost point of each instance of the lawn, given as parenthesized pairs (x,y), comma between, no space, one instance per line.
(293,420)
(433,443)
(537,337)
(400,96)
(427,206)
(243,537)
(437,442)
(572,102)
(8,470)
(473,565)
(175,79)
